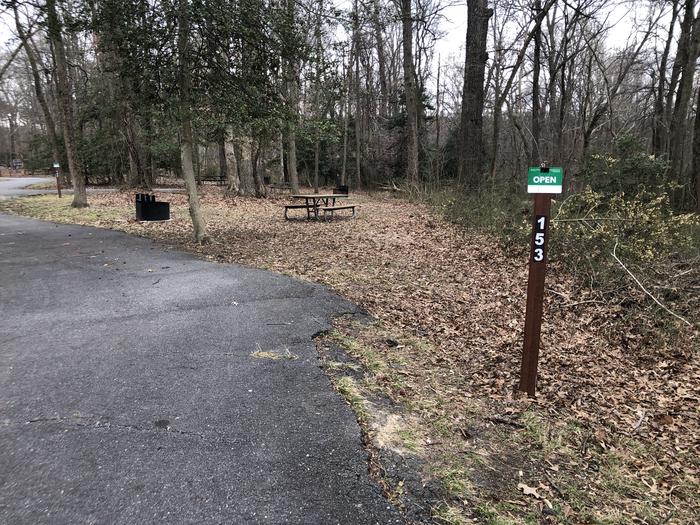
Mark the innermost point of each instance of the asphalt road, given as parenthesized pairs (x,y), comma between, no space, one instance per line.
(130,391)
(14,186)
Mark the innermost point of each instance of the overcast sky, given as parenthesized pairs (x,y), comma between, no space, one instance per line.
(455,27)
(622,16)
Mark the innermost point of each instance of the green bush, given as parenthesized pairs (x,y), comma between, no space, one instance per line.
(645,228)
(624,171)
(659,246)
(39,156)
(500,211)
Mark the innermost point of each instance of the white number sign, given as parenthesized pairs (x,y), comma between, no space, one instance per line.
(539,238)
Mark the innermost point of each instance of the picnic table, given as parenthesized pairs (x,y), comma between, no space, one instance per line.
(319,201)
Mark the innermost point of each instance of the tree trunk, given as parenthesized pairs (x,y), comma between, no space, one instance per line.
(317,96)
(471,151)
(223,161)
(186,139)
(409,81)
(535,153)
(232,175)
(696,155)
(64,101)
(685,89)
(137,176)
(680,59)
(280,165)
(346,121)
(258,179)
(245,166)
(292,159)
(38,85)
(437,167)
(381,61)
(151,166)
(497,112)
(358,118)
(292,92)
(660,131)
(317,155)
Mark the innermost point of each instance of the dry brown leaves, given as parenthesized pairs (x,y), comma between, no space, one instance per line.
(461,295)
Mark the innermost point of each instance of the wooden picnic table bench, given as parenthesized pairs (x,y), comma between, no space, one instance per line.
(297,207)
(220,181)
(315,201)
(333,209)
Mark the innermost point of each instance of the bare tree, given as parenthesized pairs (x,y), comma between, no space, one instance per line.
(186,140)
(471,151)
(409,81)
(65,104)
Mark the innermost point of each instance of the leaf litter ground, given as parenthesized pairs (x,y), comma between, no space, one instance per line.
(613,435)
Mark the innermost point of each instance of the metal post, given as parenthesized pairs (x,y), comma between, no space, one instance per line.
(535,293)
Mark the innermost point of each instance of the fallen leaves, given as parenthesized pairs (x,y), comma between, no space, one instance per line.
(452,304)
(530,491)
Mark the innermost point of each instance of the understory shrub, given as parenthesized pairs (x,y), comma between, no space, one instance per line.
(659,246)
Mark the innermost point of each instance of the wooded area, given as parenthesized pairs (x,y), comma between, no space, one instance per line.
(262,95)
(122,92)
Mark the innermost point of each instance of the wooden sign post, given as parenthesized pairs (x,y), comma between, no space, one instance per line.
(543,182)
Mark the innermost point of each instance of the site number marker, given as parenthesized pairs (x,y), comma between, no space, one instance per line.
(542,182)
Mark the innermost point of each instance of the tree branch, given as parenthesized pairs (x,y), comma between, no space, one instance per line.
(644,289)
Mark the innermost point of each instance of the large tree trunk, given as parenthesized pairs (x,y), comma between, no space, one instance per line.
(409,82)
(696,155)
(685,89)
(186,139)
(244,153)
(232,177)
(680,59)
(64,101)
(471,153)
(660,130)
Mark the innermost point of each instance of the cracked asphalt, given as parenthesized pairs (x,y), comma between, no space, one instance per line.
(130,391)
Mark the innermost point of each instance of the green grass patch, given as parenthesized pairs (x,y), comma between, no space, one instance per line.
(51,208)
(348,389)
(369,358)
